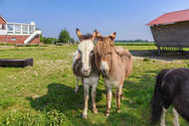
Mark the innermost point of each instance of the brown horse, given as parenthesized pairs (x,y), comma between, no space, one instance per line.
(115,64)
(84,68)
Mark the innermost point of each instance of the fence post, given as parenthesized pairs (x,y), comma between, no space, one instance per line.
(159,50)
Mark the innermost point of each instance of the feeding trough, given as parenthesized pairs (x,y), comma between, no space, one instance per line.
(16,62)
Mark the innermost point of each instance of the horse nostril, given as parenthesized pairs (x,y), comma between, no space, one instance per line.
(103,72)
(86,70)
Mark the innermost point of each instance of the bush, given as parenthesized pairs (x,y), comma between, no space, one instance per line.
(64,37)
(50,40)
(46,40)
(146,59)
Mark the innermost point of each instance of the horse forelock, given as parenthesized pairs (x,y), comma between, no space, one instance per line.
(86,46)
(85,37)
(104,46)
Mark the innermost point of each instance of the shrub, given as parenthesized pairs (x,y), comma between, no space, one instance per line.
(47,40)
(146,59)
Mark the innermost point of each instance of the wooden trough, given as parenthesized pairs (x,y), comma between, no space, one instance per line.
(16,62)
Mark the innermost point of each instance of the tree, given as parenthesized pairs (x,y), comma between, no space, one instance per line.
(42,38)
(64,36)
(72,40)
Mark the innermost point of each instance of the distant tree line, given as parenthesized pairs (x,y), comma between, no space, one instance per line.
(64,37)
(130,41)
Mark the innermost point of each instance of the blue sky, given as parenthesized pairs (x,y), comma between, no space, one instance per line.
(126,17)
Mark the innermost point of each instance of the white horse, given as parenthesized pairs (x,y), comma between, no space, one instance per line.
(84,68)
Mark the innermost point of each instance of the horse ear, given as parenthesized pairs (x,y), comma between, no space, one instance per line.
(79,35)
(96,34)
(113,36)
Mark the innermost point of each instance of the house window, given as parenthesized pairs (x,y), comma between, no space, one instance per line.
(2,26)
(17,28)
(10,28)
(32,29)
(25,29)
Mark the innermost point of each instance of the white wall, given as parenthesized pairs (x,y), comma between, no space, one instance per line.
(3,32)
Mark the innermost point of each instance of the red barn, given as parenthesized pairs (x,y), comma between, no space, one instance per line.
(18,33)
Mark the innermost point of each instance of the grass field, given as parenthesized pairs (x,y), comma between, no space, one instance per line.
(43,95)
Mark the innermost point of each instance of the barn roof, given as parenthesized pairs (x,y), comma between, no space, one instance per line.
(2,19)
(171,18)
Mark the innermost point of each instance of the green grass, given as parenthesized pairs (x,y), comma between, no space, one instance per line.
(43,95)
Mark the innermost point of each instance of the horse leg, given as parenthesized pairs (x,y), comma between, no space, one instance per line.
(86,98)
(77,84)
(108,100)
(93,95)
(121,96)
(176,117)
(118,98)
(162,123)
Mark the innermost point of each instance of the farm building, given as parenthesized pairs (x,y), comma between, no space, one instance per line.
(18,33)
(171,30)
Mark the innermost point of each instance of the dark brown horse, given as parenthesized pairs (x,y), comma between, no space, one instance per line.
(171,89)
(115,63)
(84,68)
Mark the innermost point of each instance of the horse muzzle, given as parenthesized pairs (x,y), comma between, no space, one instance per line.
(86,72)
(104,73)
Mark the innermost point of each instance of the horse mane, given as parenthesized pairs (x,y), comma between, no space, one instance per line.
(86,36)
(104,45)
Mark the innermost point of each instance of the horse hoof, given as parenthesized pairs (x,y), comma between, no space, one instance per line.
(84,116)
(107,114)
(122,97)
(118,110)
(76,90)
(95,111)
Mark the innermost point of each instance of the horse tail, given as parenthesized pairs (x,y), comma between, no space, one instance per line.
(129,67)
(157,99)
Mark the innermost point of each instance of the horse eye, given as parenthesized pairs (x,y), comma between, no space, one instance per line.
(109,53)
(79,51)
(92,52)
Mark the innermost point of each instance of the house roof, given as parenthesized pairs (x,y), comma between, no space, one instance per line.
(171,18)
(2,19)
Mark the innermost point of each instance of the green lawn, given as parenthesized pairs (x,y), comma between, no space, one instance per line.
(43,95)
